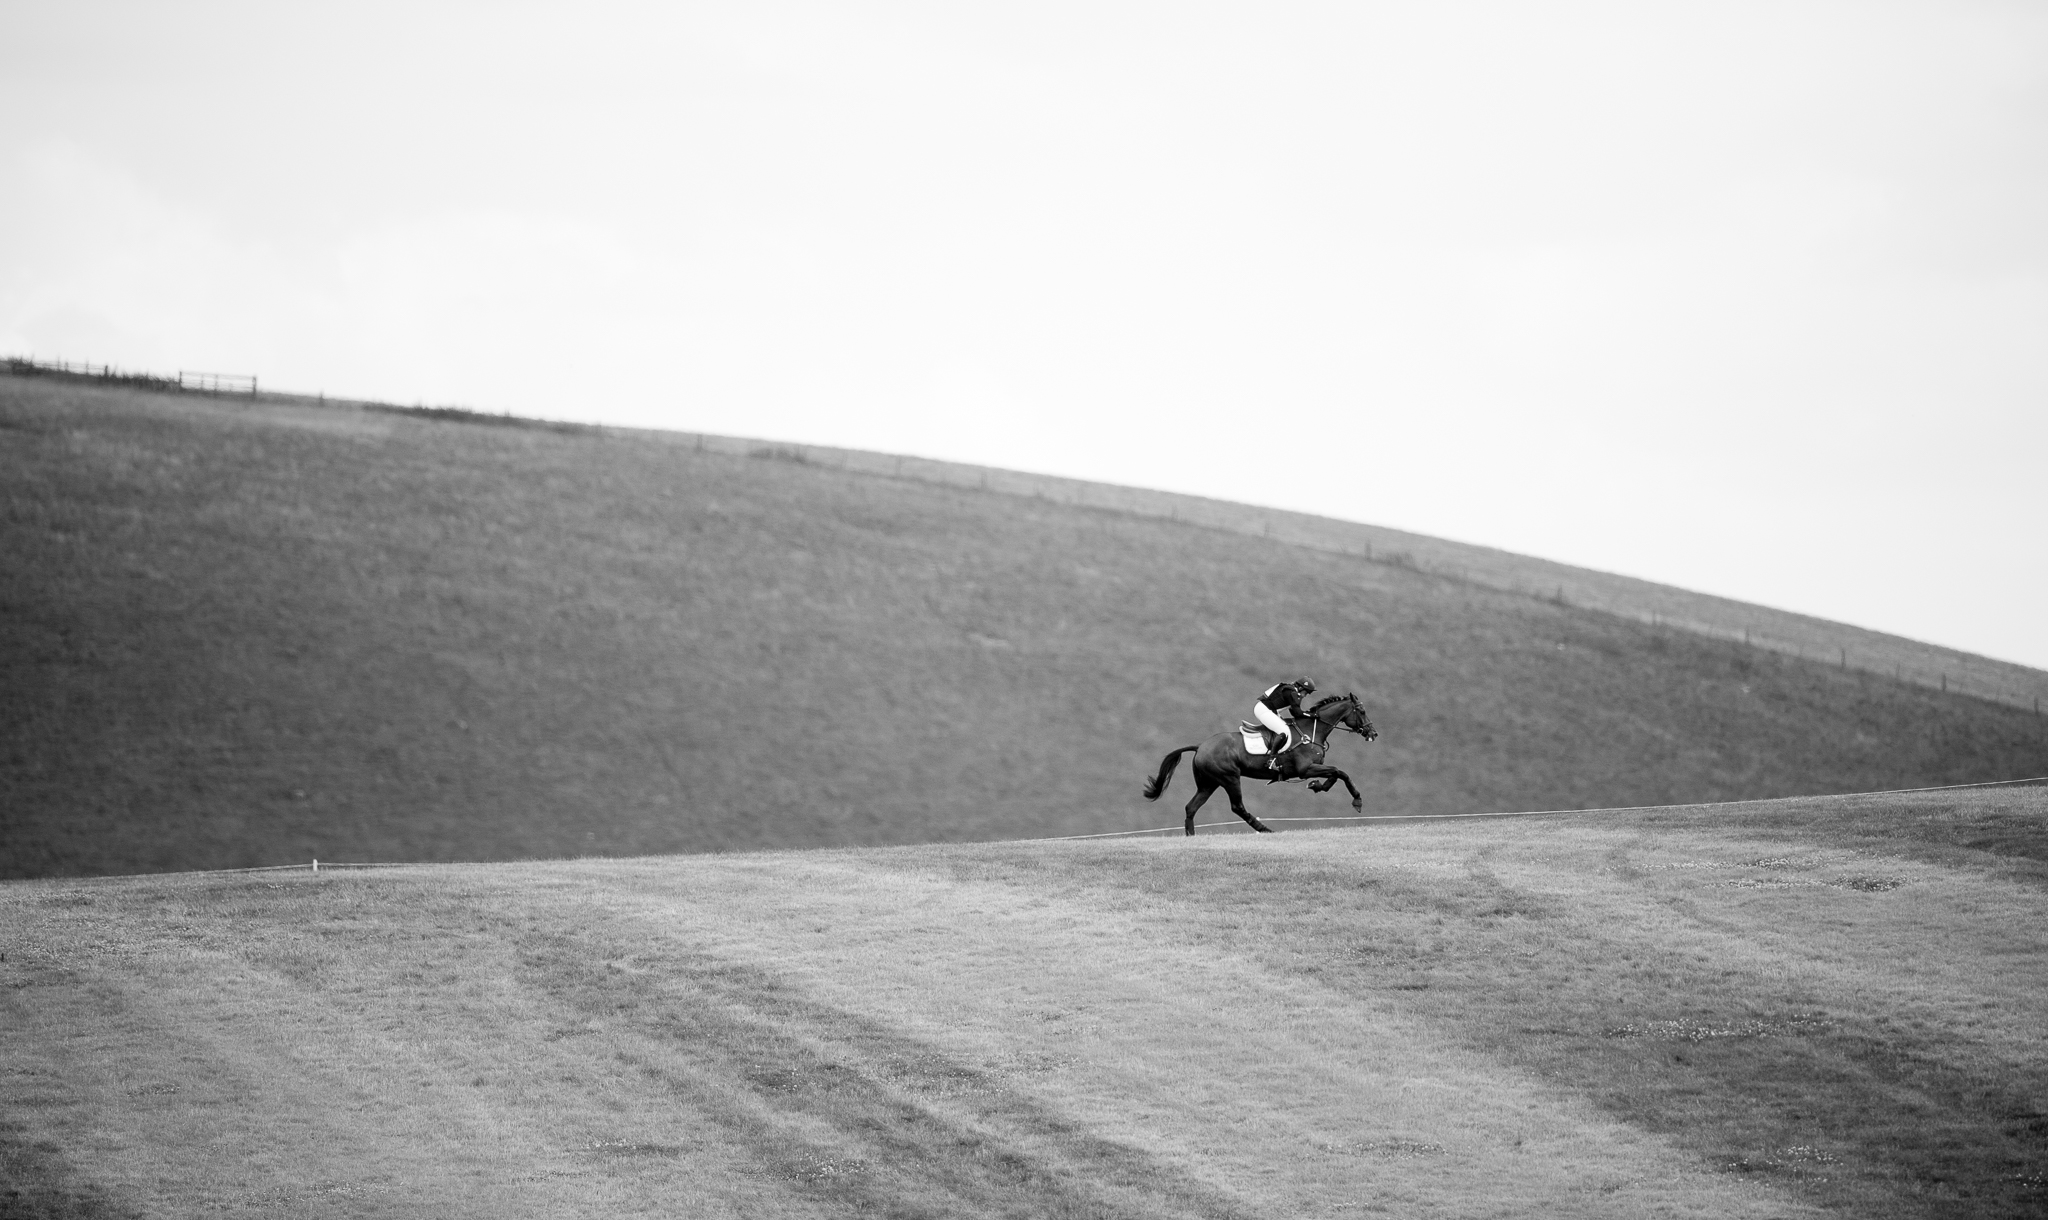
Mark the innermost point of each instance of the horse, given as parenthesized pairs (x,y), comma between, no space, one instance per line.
(1222,760)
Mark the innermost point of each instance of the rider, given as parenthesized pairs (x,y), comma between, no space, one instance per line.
(1282,697)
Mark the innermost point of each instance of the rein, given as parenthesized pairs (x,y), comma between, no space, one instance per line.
(1321,730)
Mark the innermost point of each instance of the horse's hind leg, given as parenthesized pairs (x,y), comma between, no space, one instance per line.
(1230,786)
(1203,787)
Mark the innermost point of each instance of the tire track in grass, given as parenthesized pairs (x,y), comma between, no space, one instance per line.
(349,1046)
(37,1183)
(1718,1028)
(1756,1056)
(39,1111)
(1295,1098)
(844,1108)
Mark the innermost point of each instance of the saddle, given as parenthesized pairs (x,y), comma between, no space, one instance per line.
(1258,739)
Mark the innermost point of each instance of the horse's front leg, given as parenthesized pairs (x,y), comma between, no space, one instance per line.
(1328,776)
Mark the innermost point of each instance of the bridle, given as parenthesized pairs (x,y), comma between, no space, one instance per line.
(1321,730)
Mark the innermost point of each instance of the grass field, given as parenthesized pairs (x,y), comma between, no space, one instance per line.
(1805,1007)
(236,634)
(1765,627)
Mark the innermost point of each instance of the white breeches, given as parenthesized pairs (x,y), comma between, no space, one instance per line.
(1271,719)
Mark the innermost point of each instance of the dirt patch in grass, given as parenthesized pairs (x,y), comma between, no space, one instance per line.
(1869,885)
(1387,1149)
(627,1148)
(1687,1029)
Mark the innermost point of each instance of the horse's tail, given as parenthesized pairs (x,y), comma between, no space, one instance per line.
(1167,766)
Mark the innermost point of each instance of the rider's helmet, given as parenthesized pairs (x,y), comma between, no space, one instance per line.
(1305,686)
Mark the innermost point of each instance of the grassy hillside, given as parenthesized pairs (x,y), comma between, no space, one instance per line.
(1762,627)
(236,634)
(1795,1008)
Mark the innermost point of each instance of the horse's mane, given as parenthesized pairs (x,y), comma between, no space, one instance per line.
(1326,701)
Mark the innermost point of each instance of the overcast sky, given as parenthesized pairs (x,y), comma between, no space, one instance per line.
(1748,298)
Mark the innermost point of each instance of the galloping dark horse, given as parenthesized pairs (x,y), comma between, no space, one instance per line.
(1222,760)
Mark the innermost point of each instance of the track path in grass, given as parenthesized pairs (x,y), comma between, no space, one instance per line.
(592,1039)
(1291,1097)
(1813,1009)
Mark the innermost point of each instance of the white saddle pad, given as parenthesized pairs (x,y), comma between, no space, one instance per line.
(1254,741)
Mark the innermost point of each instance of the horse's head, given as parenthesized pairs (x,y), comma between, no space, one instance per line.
(1344,712)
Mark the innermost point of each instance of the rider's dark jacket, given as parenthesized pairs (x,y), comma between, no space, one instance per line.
(1284,698)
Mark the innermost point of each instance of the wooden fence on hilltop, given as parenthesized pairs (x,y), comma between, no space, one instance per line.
(205,383)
